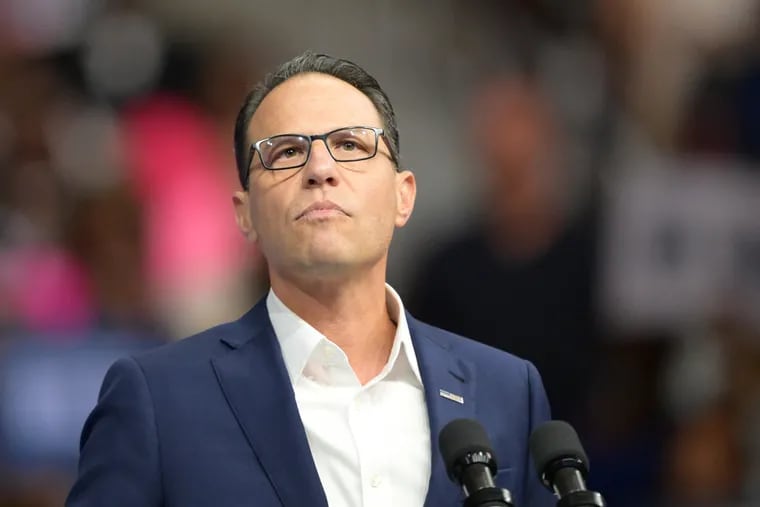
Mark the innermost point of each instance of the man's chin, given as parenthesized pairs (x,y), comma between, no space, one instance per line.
(332,264)
(328,264)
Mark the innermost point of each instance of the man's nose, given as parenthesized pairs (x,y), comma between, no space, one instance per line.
(321,167)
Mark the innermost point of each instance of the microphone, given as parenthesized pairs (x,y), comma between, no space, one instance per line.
(470,462)
(562,464)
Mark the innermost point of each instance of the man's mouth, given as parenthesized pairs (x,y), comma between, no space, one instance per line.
(321,210)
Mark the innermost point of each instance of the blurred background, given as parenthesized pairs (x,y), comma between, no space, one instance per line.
(589,199)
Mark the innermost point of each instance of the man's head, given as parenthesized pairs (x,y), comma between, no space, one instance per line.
(336,211)
(313,63)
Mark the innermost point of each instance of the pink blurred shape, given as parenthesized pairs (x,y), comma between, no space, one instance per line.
(184,177)
(44,290)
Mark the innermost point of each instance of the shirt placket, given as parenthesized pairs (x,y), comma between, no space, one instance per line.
(366,425)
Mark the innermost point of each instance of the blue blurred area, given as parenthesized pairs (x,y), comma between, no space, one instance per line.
(48,386)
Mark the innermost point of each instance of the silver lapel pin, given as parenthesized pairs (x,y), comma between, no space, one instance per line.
(451,396)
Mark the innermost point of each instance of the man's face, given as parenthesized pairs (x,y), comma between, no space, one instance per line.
(325,218)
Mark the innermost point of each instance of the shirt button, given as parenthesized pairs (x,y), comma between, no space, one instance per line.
(376,481)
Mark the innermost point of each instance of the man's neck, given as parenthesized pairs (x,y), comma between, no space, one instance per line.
(351,312)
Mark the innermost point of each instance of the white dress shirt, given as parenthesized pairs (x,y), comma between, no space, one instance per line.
(370,443)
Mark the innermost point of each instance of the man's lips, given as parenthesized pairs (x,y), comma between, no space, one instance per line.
(321,209)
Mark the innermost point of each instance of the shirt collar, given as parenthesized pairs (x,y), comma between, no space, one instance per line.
(298,340)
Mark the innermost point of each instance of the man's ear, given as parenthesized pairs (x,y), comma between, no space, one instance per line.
(240,200)
(406,192)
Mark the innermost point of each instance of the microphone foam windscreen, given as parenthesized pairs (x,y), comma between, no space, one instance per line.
(459,438)
(555,440)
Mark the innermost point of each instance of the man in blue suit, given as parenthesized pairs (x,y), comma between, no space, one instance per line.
(327,392)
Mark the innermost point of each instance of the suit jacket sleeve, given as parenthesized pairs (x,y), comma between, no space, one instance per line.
(536,493)
(119,460)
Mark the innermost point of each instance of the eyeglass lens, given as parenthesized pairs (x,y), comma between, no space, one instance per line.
(345,145)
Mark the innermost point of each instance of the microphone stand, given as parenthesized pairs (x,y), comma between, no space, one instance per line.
(581,499)
(489,497)
(571,481)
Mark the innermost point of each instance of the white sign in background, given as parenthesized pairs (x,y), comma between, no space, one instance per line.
(681,245)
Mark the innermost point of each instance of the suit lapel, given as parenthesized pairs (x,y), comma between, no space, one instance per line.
(258,389)
(445,377)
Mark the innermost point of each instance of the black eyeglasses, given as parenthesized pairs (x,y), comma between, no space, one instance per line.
(288,151)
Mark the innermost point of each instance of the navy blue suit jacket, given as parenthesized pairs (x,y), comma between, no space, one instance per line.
(212,421)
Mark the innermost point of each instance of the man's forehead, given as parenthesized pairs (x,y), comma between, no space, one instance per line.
(312,103)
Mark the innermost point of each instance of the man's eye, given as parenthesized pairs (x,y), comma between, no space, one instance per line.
(346,145)
(287,153)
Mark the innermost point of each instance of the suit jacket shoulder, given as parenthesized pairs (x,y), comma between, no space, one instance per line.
(493,365)
(500,390)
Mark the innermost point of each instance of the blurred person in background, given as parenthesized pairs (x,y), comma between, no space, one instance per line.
(198,267)
(42,284)
(522,278)
(712,388)
(105,234)
(669,426)
(100,121)
(314,393)
(79,280)
(712,391)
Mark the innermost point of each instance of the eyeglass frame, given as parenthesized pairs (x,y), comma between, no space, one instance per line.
(255,147)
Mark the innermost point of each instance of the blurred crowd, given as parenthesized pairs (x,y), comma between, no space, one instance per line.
(589,180)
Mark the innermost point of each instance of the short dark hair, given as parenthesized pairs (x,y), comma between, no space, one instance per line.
(344,70)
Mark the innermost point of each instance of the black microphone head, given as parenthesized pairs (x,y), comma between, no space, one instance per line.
(556,440)
(461,438)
